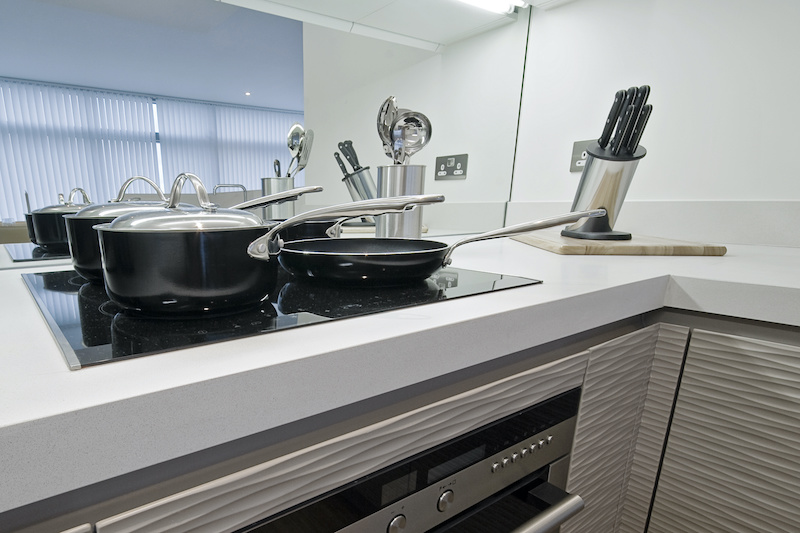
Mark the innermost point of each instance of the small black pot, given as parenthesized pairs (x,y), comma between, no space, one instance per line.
(29,225)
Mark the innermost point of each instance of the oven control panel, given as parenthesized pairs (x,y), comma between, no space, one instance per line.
(454,494)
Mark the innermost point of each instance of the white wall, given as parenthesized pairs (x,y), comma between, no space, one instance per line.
(470,92)
(724,76)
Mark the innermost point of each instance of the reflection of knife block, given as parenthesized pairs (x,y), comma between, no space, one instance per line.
(604,183)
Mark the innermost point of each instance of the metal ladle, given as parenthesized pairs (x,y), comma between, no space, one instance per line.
(294,140)
(386,116)
(410,132)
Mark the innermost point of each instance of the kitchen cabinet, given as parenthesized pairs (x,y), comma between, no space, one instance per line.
(628,389)
(627,397)
(731,462)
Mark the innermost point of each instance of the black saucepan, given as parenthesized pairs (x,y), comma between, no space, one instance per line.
(186,262)
(49,229)
(84,245)
(378,261)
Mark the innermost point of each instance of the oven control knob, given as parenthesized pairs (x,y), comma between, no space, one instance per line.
(505,462)
(397,525)
(523,452)
(495,467)
(514,457)
(445,499)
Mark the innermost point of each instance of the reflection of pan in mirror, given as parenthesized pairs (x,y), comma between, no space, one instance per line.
(131,335)
(95,312)
(62,281)
(334,301)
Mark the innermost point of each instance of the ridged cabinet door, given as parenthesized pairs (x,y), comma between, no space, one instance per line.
(732,461)
(627,396)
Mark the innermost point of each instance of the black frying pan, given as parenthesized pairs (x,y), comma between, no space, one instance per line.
(378,261)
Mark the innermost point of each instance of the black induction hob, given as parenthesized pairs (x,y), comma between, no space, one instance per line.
(92,330)
(22,252)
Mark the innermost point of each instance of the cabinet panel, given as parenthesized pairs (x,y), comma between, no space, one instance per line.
(732,461)
(629,383)
(242,498)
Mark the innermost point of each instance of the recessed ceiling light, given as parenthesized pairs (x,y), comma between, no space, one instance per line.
(247,93)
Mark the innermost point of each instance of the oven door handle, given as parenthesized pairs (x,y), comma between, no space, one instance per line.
(562,507)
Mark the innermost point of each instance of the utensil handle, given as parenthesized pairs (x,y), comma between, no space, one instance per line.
(130,181)
(200,189)
(524,227)
(277,198)
(267,244)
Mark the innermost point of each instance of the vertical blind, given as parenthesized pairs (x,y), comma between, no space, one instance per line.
(222,144)
(55,138)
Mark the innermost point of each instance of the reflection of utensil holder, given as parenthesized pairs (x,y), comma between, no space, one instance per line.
(272,186)
(604,183)
(400,180)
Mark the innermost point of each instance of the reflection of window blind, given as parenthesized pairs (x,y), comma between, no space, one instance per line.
(55,138)
(222,144)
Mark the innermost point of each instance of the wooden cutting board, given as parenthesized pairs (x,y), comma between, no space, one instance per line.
(551,240)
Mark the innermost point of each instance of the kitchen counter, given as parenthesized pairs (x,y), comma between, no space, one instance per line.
(61,429)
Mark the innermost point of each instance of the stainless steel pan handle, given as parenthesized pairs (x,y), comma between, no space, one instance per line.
(269,243)
(277,198)
(130,181)
(199,188)
(74,192)
(525,227)
(550,519)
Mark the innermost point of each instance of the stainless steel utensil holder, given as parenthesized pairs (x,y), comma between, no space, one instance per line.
(400,180)
(603,185)
(361,185)
(275,185)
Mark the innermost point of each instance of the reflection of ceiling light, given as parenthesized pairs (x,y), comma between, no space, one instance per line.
(497,6)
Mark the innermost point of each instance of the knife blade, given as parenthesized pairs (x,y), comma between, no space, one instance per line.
(341,163)
(626,126)
(611,121)
(638,129)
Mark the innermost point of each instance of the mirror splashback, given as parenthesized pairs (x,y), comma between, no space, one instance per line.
(213,51)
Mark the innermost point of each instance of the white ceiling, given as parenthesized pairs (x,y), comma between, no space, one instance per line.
(427,24)
(200,49)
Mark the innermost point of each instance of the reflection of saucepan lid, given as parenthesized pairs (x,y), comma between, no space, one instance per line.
(334,301)
(131,335)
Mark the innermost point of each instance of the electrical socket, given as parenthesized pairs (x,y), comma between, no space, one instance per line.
(579,155)
(451,167)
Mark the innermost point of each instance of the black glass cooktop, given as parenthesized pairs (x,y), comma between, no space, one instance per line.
(27,251)
(92,330)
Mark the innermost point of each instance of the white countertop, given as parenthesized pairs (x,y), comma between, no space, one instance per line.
(62,429)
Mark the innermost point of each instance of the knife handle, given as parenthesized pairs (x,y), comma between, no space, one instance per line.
(613,117)
(341,163)
(628,100)
(638,129)
(626,128)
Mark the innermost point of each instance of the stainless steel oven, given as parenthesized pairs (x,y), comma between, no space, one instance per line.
(506,476)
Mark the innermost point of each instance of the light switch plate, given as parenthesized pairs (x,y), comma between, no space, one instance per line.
(451,167)
(579,155)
